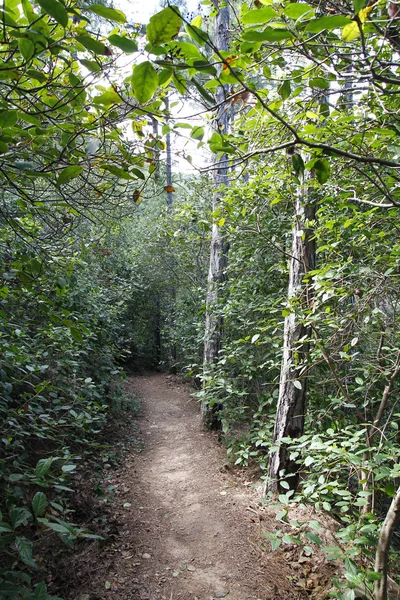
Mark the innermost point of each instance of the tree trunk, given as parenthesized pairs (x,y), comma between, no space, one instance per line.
(382,551)
(219,243)
(292,397)
(171,287)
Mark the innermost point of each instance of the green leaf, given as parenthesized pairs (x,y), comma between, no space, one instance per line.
(138,173)
(123,43)
(56,10)
(91,44)
(261,15)
(351,32)
(322,170)
(76,334)
(38,75)
(27,48)
(144,81)
(91,65)
(319,82)
(284,90)
(117,171)
(164,26)
(268,35)
(314,538)
(68,468)
(39,504)
(19,515)
(68,174)
(57,527)
(203,92)
(298,166)
(295,10)
(180,83)
(8,118)
(327,23)
(107,98)
(25,548)
(358,5)
(41,592)
(107,13)
(43,467)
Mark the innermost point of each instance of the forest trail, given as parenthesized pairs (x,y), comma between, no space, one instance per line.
(185,531)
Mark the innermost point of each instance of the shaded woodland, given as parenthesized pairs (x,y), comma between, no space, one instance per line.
(250,246)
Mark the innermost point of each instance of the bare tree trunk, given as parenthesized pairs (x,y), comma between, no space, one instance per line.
(382,551)
(219,243)
(171,287)
(292,399)
(169,158)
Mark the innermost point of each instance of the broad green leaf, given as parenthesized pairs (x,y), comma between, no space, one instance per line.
(322,170)
(27,48)
(68,174)
(25,548)
(197,133)
(39,503)
(197,34)
(117,171)
(284,90)
(259,16)
(164,26)
(138,173)
(28,10)
(92,44)
(186,50)
(107,98)
(218,144)
(91,65)
(68,468)
(319,82)
(57,527)
(202,91)
(76,334)
(268,35)
(8,118)
(55,9)
(43,467)
(180,83)
(41,592)
(298,166)
(295,10)
(327,23)
(358,5)
(351,32)
(107,13)
(38,75)
(19,515)
(123,43)
(164,77)
(314,538)
(144,82)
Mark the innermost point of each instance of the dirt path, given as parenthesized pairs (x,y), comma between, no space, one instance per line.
(185,531)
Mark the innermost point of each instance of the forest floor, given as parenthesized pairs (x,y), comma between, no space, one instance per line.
(188,528)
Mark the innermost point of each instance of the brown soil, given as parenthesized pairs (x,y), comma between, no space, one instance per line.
(187,527)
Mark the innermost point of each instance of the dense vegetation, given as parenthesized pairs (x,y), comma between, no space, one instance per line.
(290,330)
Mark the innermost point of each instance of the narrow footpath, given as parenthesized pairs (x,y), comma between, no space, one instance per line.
(188,528)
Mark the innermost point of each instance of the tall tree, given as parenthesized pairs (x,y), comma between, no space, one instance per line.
(219,243)
(292,397)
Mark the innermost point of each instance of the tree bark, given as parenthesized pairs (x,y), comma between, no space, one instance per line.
(382,552)
(292,399)
(219,243)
